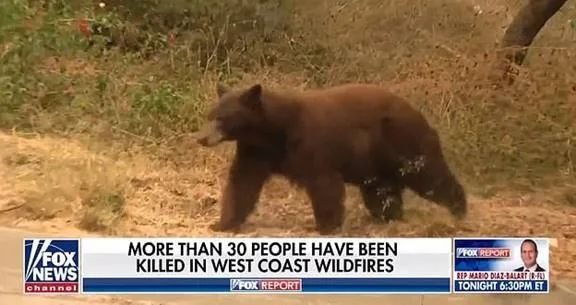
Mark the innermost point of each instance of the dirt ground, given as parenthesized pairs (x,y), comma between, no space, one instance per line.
(44,181)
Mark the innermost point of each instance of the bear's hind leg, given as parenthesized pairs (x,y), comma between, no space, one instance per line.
(326,192)
(438,184)
(383,199)
(449,193)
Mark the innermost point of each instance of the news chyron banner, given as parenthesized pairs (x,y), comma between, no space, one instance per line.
(501,265)
(238,265)
(285,265)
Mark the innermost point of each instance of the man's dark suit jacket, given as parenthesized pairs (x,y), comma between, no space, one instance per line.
(538,268)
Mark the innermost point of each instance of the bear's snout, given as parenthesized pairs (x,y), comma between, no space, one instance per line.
(210,140)
(210,135)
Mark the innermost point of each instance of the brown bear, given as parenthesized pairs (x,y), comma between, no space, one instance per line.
(323,139)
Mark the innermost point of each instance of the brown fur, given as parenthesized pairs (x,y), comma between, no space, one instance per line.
(322,139)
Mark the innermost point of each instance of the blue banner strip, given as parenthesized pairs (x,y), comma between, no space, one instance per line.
(390,285)
(501,285)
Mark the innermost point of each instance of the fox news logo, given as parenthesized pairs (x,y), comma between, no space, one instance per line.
(483,252)
(266,285)
(51,266)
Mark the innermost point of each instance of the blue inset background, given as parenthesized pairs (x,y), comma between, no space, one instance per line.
(56,245)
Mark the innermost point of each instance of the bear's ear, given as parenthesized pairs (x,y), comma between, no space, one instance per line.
(254,91)
(252,97)
(221,90)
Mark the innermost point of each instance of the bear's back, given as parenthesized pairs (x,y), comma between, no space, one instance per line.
(357,106)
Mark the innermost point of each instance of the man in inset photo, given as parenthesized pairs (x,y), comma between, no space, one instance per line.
(529,252)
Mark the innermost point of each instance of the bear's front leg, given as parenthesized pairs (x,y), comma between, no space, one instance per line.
(247,176)
(326,192)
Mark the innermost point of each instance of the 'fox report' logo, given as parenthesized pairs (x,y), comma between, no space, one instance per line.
(490,252)
(266,285)
(51,266)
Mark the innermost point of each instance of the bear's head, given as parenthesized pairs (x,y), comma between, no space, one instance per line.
(237,115)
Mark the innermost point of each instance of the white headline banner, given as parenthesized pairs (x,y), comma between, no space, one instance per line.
(266,257)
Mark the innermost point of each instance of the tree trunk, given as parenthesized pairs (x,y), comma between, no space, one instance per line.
(523,29)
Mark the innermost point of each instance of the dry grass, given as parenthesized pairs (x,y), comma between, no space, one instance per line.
(51,177)
(166,199)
